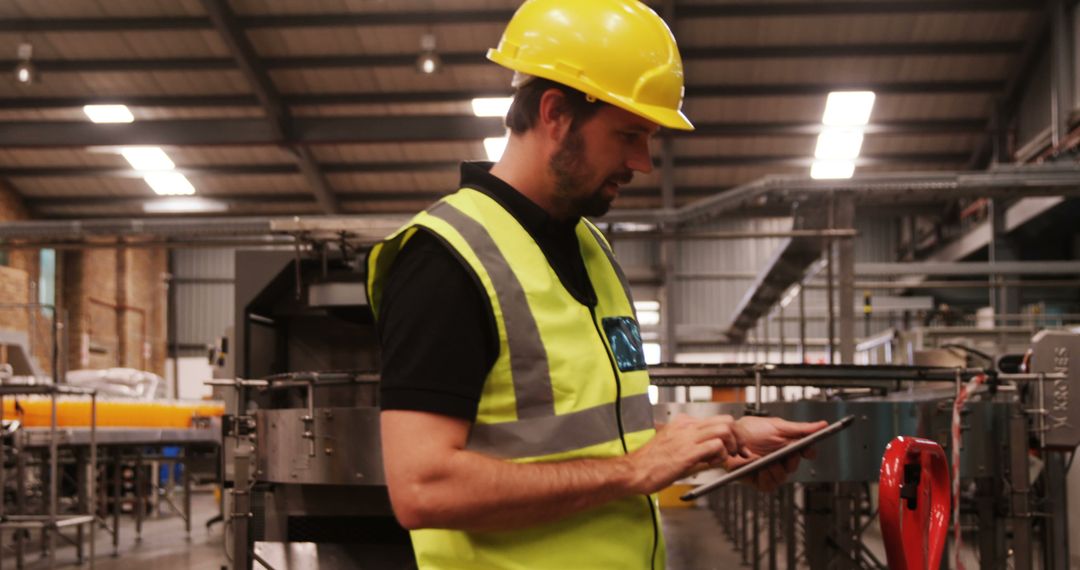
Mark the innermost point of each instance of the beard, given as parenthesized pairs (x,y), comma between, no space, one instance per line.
(574,190)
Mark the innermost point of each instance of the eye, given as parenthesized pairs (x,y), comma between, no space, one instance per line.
(629,136)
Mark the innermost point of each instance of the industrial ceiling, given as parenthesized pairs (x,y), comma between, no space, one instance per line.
(307,107)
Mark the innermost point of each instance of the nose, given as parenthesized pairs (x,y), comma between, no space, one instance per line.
(640,159)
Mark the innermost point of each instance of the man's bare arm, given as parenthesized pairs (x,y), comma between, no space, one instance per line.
(436,483)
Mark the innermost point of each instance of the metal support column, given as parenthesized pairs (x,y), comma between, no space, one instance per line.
(771,517)
(1020,486)
(755,536)
(991,535)
(186,466)
(1056,539)
(819,546)
(783,344)
(240,516)
(802,324)
(54,482)
(830,285)
(1005,301)
(140,496)
(669,343)
(82,500)
(117,503)
(791,544)
(845,219)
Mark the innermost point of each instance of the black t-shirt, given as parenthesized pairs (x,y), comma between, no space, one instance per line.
(436,326)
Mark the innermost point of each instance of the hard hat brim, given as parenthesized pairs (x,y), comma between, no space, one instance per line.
(663,116)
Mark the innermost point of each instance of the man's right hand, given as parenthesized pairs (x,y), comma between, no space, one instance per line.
(681,448)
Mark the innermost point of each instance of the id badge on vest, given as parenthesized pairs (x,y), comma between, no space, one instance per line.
(624,336)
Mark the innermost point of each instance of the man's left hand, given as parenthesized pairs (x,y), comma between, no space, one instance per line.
(760,436)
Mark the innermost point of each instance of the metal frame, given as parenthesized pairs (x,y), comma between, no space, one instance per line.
(689,54)
(52,521)
(823,522)
(433,17)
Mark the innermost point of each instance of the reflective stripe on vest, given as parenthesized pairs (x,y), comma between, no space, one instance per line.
(556,434)
(528,358)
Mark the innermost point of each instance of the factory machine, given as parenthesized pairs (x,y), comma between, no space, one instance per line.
(305,485)
(302,459)
(1013,433)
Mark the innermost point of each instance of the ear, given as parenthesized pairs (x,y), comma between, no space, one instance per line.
(554,118)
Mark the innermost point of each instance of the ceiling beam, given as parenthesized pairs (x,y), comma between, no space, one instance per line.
(51,134)
(401,128)
(960,87)
(938,49)
(277,111)
(451,166)
(499,16)
(47,203)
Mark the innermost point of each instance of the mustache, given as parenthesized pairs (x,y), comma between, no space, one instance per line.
(622,178)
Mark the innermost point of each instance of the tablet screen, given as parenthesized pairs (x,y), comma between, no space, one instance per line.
(779,454)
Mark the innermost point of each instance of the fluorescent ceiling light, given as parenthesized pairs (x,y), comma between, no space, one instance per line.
(169,184)
(494,147)
(183,205)
(839,144)
(491,106)
(848,108)
(832,169)
(108,113)
(147,158)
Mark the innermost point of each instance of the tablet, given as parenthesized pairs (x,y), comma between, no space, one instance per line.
(782,453)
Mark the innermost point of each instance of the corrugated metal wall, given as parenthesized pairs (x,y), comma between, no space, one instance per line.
(713,301)
(707,304)
(638,255)
(204,296)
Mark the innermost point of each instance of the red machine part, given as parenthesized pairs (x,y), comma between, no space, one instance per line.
(915,502)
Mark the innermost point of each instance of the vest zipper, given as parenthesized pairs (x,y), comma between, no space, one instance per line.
(622,432)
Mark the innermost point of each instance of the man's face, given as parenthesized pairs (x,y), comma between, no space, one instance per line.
(598,156)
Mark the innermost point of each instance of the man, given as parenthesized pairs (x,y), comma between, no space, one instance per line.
(516,427)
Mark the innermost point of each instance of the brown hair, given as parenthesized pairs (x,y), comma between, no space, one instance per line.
(526,106)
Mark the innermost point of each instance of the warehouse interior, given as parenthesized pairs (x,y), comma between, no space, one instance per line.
(871,218)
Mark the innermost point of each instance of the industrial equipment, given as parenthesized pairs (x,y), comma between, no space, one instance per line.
(1011,433)
(303,462)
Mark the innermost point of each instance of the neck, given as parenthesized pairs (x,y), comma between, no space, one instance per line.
(524,165)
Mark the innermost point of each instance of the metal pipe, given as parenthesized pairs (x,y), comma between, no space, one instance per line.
(3,476)
(783,345)
(174,326)
(309,419)
(92,479)
(829,285)
(731,235)
(802,324)
(967,284)
(188,244)
(54,482)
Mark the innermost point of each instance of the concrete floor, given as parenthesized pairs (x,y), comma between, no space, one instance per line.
(692,535)
(164,544)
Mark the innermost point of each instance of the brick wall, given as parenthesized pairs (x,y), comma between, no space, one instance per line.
(109,294)
(90,285)
(18,284)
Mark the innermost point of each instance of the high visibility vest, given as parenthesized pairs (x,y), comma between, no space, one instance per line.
(569,382)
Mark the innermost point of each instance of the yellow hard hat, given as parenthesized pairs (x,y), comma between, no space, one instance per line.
(618,51)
